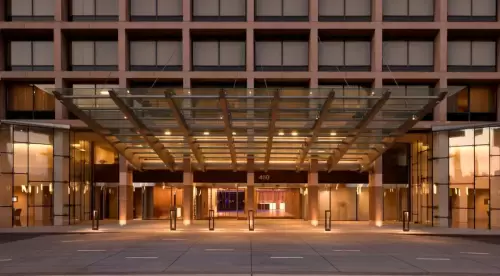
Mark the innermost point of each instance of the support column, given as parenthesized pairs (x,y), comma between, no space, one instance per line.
(440,152)
(250,193)
(312,193)
(126,193)
(376,197)
(61,177)
(187,193)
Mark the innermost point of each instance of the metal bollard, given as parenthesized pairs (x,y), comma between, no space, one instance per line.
(328,220)
(95,220)
(406,221)
(173,220)
(251,220)
(211,220)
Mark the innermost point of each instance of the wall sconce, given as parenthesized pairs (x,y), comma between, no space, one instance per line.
(14,199)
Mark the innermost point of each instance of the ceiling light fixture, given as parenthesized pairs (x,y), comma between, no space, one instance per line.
(168,132)
(295,133)
(281,133)
(206,133)
(333,133)
(104,92)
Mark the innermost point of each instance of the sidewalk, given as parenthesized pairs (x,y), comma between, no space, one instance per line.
(261,226)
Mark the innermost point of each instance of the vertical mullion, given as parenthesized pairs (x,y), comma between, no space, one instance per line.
(156,52)
(408,7)
(218,53)
(343,54)
(282,7)
(32,8)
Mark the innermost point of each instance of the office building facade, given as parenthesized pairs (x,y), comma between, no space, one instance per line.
(357,110)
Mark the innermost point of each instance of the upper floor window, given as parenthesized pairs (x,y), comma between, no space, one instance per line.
(281,56)
(345,10)
(344,56)
(219,55)
(94,10)
(219,10)
(29,101)
(282,10)
(472,56)
(31,56)
(408,56)
(351,90)
(92,90)
(155,56)
(472,10)
(94,56)
(473,103)
(408,10)
(156,10)
(30,10)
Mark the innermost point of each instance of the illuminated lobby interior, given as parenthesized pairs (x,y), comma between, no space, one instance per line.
(58,174)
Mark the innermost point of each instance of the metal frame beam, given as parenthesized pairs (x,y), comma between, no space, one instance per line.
(402,130)
(323,114)
(353,135)
(146,134)
(185,129)
(273,117)
(226,117)
(99,130)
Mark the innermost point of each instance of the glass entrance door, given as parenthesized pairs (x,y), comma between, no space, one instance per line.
(278,202)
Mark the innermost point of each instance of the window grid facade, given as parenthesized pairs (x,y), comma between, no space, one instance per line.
(128,30)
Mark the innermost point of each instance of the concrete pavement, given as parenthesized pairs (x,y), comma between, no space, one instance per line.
(268,251)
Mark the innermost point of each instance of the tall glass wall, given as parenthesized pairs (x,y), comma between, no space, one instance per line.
(423,197)
(80,189)
(470,158)
(39,185)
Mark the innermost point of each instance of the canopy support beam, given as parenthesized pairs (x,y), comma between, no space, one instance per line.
(185,129)
(353,135)
(273,117)
(226,117)
(99,130)
(144,131)
(323,115)
(402,130)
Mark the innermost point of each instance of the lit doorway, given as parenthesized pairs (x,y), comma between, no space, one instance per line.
(278,202)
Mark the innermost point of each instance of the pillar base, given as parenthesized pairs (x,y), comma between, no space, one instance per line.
(377,223)
(314,222)
(186,222)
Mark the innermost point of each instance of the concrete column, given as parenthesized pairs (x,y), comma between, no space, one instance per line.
(376,196)
(186,10)
(61,112)
(123,46)
(250,12)
(313,193)
(440,152)
(186,50)
(377,51)
(61,176)
(126,193)
(313,52)
(377,10)
(123,10)
(187,201)
(250,193)
(441,110)
(250,50)
(441,10)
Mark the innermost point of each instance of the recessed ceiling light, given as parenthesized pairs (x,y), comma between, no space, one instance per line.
(168,132)
(333,133)
(294,133)
(206,133)
(281,133)
(234,133)
(104,92)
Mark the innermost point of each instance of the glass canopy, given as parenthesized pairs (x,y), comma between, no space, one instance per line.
(282,128)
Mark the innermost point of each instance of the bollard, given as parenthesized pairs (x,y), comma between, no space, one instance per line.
(211,220)
(328,220)
(406,221)
(251,220)
(95,220)
(173,220)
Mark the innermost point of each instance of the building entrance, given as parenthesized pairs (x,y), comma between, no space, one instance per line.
(278,202)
